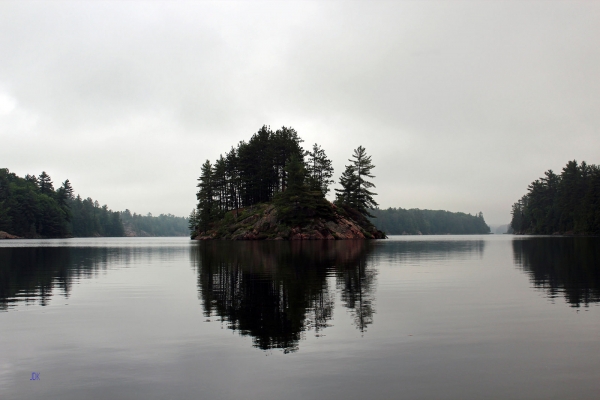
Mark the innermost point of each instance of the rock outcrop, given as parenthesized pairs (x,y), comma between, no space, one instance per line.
(6,235)
(261,222)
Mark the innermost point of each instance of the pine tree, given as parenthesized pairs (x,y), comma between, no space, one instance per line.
(349,181)
(68,189)
(45,183)
(355,191)
(193,222)
(206,204)
(298,203)
(363,167)
(319,169)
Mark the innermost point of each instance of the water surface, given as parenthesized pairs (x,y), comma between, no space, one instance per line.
(437,317)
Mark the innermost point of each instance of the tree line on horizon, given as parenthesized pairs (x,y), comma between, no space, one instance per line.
(30,207)
(273,167)
(398,221)
(565,203)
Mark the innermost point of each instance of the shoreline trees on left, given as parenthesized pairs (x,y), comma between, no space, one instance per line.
(30,207)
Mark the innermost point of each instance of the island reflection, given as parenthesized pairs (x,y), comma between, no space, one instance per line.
(276,291)
(567,266)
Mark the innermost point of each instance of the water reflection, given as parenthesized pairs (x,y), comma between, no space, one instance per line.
(416,250)
(562,266)
(275,291)
(32,275)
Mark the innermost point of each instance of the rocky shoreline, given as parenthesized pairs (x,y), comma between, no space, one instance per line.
(261,223)
(6,235)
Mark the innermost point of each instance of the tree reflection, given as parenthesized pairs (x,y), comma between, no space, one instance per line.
(275,291)
(32,275)
(562,266)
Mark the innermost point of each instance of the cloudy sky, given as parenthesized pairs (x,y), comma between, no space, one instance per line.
(460,104)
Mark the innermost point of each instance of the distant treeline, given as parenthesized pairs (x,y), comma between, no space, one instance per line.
(30,207)
(569,202)
(398,221)
(148,225)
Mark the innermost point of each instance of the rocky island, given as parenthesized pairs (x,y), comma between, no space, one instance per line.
(265,189)
(261,222)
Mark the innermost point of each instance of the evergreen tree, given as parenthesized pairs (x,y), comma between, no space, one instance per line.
(219,178)
(298,203)
(68,189)
(355,191)
(363,167)
(319,169)
(206,204)
(45,183)
(349,181)
(193,222)
(569,202)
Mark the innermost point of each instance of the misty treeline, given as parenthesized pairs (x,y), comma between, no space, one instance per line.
(569,202)
(398,221)
(273,166)
(31,207)
(149,225)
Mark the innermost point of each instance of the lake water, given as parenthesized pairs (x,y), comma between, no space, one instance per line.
(437,317)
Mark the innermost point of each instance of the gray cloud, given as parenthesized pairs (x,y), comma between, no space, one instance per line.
(461,104)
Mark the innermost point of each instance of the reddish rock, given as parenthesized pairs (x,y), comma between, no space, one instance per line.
(6,235)
(264,225)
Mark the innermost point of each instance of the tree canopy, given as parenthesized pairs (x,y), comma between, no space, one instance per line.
(273,167)
(30,207)
(397,221)
(355,184)
(569,202)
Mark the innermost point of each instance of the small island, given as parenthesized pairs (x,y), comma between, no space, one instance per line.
(269,188)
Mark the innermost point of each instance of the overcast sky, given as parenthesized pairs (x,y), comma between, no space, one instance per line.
(460,104)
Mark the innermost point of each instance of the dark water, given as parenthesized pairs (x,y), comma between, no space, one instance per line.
(446,317)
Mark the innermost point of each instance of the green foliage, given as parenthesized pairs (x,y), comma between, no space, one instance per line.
(271,167)
(319,170)
(355,185)
(30,207)
(149,225)
(397,221)
(299,202)
(253,172)
(569,202)
(207,205)
(89,219)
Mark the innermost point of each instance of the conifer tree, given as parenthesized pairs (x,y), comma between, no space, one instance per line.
(298,203)
(192,222)
(363,167)
(206,205)
(355,191)
(319,169)
(45,183)
(569,202)
(349,181)
(68,189)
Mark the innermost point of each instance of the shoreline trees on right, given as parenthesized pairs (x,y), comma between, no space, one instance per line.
(565,203)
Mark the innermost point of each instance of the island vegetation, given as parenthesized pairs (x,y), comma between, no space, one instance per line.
(568,203)
(398,221)
(270,188)
(31,207)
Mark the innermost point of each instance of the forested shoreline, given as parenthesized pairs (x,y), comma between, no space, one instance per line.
(30,207)
(399,221)
(568,203)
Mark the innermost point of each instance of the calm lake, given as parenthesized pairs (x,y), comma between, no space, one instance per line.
(437,317)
